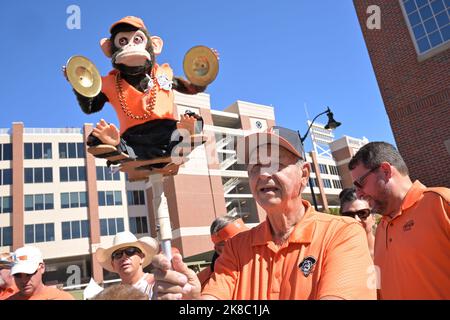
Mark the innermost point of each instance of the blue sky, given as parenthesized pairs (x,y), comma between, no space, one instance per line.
(284,53)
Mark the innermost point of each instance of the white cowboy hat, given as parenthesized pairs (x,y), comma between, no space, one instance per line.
(147,245)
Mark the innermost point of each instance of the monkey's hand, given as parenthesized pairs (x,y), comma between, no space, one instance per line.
(107,133)
(187,122)
(216,53)
(64,71)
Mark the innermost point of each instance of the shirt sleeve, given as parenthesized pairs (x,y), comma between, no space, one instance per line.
(348,267)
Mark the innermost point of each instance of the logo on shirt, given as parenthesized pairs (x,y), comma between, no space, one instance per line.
(408,225)
(307,265)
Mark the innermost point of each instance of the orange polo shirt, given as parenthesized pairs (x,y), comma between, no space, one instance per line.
(412,249)
(136,100)
(204,276)
(7,292)
(253,267)
(47,293)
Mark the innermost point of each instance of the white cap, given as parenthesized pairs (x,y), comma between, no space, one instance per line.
(26,260)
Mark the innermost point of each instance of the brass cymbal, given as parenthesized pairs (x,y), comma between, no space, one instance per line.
(200,65)
(83,76)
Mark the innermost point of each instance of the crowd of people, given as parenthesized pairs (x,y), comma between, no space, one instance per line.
(296,253)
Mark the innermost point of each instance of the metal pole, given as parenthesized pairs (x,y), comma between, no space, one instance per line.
(161,210)
(313,195)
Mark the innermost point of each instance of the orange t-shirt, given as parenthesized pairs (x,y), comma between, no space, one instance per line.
(325,255)
(204,276)
(6,293)
(412,250)
(136,100)
(47,293)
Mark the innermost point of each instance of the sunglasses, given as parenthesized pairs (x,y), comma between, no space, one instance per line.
(362,214)
(359,183)
(131,251)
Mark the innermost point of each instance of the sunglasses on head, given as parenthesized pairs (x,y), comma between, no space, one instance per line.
(131,251)
(359,183)
(362,214)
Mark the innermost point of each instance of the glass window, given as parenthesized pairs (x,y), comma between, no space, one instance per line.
(76,232)
(39,232)
(117,198)
(133,228)
(103,227)
(139,224)
(7,204)
(28,151)
(7,236)
(7,176)
(49,232)
(108,176)
(28,175)
(7,151)
(49,201)
(144,225)
(38,175)
(29,233)
(48,174)
(62,150)
(136,197)
(109,198)
(83,200)
(323,168)
(72,150)
(101,198)
(47,150)
(100,175)
(37,150)
(29,202)
(65,228)
(326,183)
(85,228)
(38,202)
(63,174)
(73,174)
(120,226)
(65,202)
(80,149)
(116,176)
(74,201)
(81,174)
(1,152)
(112,226)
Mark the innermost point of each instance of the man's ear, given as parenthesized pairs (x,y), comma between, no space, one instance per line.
(106,45)
(387,169)
(306,169)
(157,44)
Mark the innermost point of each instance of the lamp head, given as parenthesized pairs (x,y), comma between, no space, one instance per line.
(332,124)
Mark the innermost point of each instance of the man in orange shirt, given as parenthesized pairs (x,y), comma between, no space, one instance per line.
(27,270)
(412,241)
(296,253)
(7,284)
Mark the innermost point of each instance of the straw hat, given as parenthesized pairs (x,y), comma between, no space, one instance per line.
(147,245)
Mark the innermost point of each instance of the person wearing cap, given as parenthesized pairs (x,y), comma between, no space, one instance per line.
(7,284)
(359,209)
(296,253)
(28,269)
(222,229)
(412,240)
(127,257)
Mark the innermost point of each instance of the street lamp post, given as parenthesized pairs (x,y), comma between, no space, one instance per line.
(332,124)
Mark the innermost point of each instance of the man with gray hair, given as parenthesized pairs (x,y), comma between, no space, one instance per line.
(413,237)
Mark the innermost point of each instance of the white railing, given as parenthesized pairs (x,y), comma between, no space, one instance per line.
(230,184)
(52,130)
(228,162)
(224,142)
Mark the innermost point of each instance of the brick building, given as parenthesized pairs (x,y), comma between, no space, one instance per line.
(411,59)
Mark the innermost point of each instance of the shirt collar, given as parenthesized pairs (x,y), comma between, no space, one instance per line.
(302,233)
(413,195)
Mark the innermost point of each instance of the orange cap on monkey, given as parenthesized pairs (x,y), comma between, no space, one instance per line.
(131,20)
(229,231)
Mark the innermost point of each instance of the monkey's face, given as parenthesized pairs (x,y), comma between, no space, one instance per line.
(131,49)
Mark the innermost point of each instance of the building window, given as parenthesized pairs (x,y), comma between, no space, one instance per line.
(6,204)
(75,229)
(111,226)
(6,151)
(71,174)
(334,170)
(138,225)
(314,182)
(71,150)
(105,174)
(109,198)
(38,175)
(326,183)
(337,184)
(5,236)
(429,22)
(323,168)
(5,177)
(135,198)
(38,150)
(73,200)
(38,202)
(41,232)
